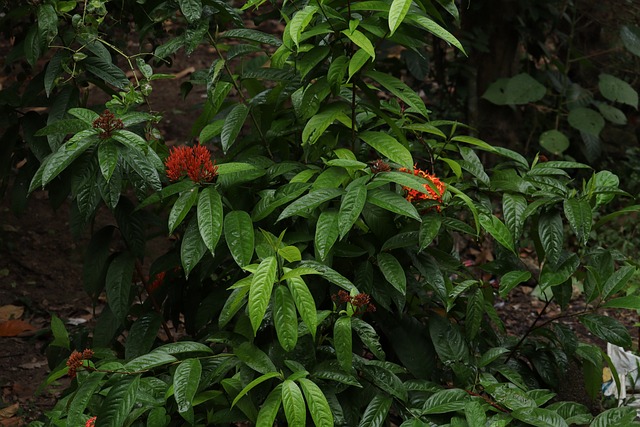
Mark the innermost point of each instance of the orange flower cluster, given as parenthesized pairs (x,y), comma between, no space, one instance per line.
(91,422)
(108,123)
(433,194)
(361,302)
(194,162)
(76,359)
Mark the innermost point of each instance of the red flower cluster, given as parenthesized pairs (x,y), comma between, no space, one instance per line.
(361,302)
(76,359)
(157,281)
(108,123)
(433,194)
(91,422)
(194,162)
(378,166)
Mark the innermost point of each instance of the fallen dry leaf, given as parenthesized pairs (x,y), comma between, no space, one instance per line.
(10,311)
(9,411)
(13,328)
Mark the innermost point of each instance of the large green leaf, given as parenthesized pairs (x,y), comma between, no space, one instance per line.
(617,90)
(360,40)
(85,391)
(586,120)
(630,302)
(397,12)
(551,235)
(260,291)
(310,201)
(444,401)
(517,90)
(317,124)
(254,358)
(434,28)
(555,141)
(191,9)
(149,361)
(269,410)
(118,284)
(511,280)
(630,36)
(429,229)
(607,328)
(392,271)
(108,159)
(447,340)
(351,206)
(233,304)
(192,248)
(284,318)
(70,151)
(304,303)
(399,88)
(300,21)
(210,217)
(181,208)
(393,202)
(317,403)
(389,147)
(578,213)
(498,230)
(539,417)
(107,71)
(513,207)
(342,342)
(376,412)
(616,282)
(186,381)
(119,402)
(142,335)
(233,125)
(239,235)
(624,416)
(368,336)
(252,35)
(253,384)
(326,232)
(293,404)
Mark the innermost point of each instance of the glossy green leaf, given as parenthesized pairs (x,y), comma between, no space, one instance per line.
(342,341)
(492,355)
(612,114)
(310,201)
(239,235)
(326,232)
(616,282)
(290,253)
(317,403)
(253,384)
(447,340)
(376,412)
(233,304)
(397,86)
(539,417)
(254,358)
(630,302)
(233,125)
(607,328)
(360,40)
(429,230)
(192,248)
(66,154)
(183,347)
(210,217)
(270,407)
(108,159)
(304,303)
(351,206)
(331,275)
(284,318)
(107,71)
(181,208)
(579,215)
(389,147)
(64,127)
(434,28)
(293,403)
(392,271)
(83,394)
(512,279)
(260,291)
(397,12)
(393,202)
(191,9)
(142,335)
(118,284)
(60,333)
(513,207)
(186,381)
(630,36)
(149,361)
(357,61)
(300,21)
(368,336)
(475,313)
(554,141)
(319,123)
(119,402)
(297,272)
(444,401)
(551,235)
(623,416)
(586,120)
(498,230)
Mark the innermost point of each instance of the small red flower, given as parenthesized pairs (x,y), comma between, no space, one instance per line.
(361,303)
(91,422)
(159,279)
(75,360)
(193,162)
(108,123)
(432,193)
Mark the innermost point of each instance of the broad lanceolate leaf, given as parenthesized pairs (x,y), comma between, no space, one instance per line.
(149,361)
(630,36)
(191,9)
(376,412)
(181,208)
(397,12)
(66,154)
(142,334)
(210,217)
(270,407)
(83,394)
(317,403)
(353,202)
(342,341)
(392,271)
(447,340)
(511,280)
(607,328)
(578,213)
(304,303)
(389,147)
(233,125)
(293,404)
(513,206)
(392,202)
(254,383)
(498,230)
(119,402)
(630,302)
(260,291)
(399,88)
(616,282)
(429,229)
(326,232)
(238,233)
(300,21)
(623,416)
(192,248)
(119,277)
(254,358)
(368,336)
(284,318)
(108,159)
(186,380)
(551,235)
(316,126)
(444,401)
(310,201)
(435,29)
(362,41)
